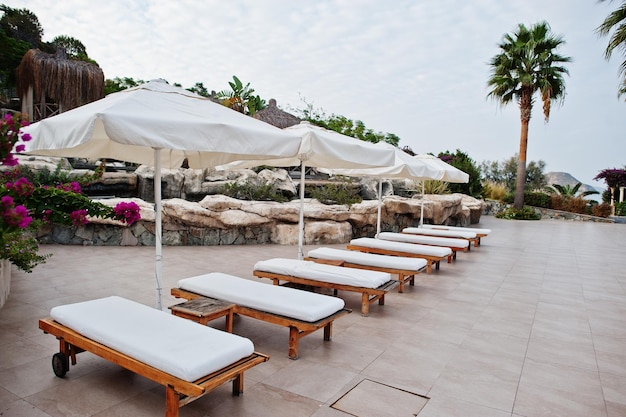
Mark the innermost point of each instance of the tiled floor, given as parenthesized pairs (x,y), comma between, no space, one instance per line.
(531,323)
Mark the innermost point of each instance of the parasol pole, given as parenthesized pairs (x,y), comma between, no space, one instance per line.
(380,203)
(157,223)
(301,219)
(422,209)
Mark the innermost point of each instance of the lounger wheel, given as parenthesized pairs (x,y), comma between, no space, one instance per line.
(60,364)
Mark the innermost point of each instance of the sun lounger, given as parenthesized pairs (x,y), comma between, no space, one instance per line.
(372,285)
(432,254)
(480,232)
(302,311)
(404,268)
(188,359)
(469,236)
(456,245)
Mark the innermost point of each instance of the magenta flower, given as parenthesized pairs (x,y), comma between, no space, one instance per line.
(21,187)
(79,217)
(127,212)
(73,187)
(15,216)
(7,200)
(22,217)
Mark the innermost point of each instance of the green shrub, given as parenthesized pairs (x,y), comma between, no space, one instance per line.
(601,210)
(509,198)
(59,176)
(253,192)
(336,193)
(620,209)
(526,213)
(462,161)
(537,199)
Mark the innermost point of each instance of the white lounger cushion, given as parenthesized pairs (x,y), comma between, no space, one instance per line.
(321,272)
(478,231)
(441,233)
(424,240)
(289,302)
(176,346)
(413,248)
(369,259)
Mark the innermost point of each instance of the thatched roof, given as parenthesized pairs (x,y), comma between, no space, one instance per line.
(68,82)
(275,116)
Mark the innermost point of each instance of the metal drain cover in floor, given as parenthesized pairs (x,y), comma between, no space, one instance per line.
(373,399)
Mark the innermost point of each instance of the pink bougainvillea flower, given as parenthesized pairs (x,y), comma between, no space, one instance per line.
(79,217)
(127,212)
(22,187)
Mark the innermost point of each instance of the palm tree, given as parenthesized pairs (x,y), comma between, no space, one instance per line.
(528,62)
(567,191)
(617,21)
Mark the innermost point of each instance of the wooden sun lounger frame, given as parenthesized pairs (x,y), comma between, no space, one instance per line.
(430,259)
(478,235)
(454,249)
(297,328)
(368,295)
(404,275)
(474,240)
(178,392)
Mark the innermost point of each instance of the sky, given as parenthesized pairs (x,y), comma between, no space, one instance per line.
(418,69)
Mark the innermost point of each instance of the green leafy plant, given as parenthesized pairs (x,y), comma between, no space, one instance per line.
(25,206)
(620,209)
(336,193)
(462,161)
(525,213)
(569,191)
(537,199)
(21,248)
(253,192)
(240,98)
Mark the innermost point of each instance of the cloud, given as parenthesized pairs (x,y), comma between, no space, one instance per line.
(416,69)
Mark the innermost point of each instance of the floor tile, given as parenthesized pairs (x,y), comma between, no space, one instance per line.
(530,324)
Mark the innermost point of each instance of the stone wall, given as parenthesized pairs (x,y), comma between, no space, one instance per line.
(221,220)
(492,207)
(195,213)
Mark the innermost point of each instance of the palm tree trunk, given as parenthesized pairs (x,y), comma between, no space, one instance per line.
(525,112)
(521,168)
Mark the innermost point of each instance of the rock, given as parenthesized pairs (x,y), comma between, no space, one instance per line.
(327,232)
(35,162)
(192,188)
(313,209)
(444,206)
(234,218)
(315,232)
(171,182)
(285,234)
(365,213)
(280,179)
(220,203)
(283,212)
(474,206)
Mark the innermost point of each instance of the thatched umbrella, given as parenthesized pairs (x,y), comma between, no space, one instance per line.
(276,117)
(70,83)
